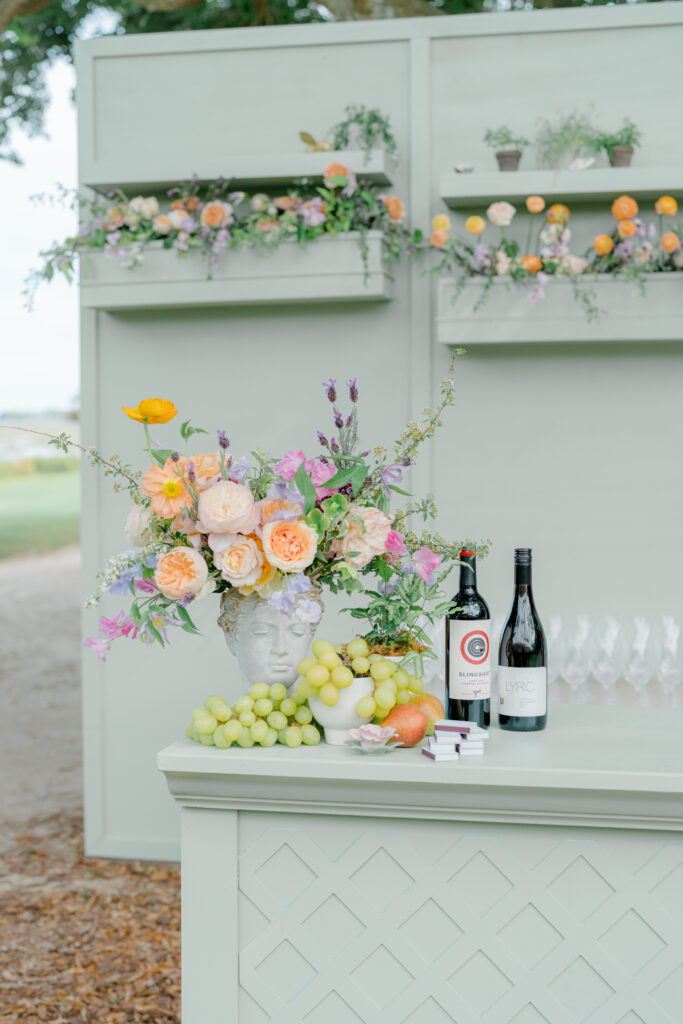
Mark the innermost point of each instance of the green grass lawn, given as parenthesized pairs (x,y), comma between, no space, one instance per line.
(38,512)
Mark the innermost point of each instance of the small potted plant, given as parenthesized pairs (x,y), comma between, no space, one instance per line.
(508,147)
(619,145)
(364,128)
(562,142)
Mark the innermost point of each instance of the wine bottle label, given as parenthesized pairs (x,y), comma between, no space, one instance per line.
(469,671)
(522,691)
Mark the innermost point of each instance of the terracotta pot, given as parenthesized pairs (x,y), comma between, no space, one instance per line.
(621,156)
(508,159)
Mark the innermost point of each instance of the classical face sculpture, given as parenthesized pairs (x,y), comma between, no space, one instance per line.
(267,643)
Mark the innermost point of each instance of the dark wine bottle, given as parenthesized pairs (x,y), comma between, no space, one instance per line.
(523,672)
(468,650)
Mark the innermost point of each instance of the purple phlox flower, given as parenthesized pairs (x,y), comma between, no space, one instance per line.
(181,241)
(338,420)
(239,470)
(334,447)
(281,492)
(651,231)
(150,561)
(299,583)
(237,197)
(170,192)
(122,584)
(99,645)
(111,194)
(353,389)
(641,230)
(392,474)
(188,224)
(146,586)
(113,237)
(308,611)
(482,255)
(623,250)
(323,439)
(313,213)
(282,602)
(330,387)
(223,441)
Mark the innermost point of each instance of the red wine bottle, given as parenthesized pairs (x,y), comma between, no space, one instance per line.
(523,672)
(468,650)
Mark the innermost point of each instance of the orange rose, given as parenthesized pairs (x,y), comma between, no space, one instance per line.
(558,213)
(166,488)
(336,170)
(290,546)
(395,208)
(438,239)
(475,225)
(154,410)
(624,207)
(666,205)
(532,264)
(216,214)
(180,572)
(535,204)
(442,222)
(179,204)
(670,241)
(266,225)
(240,563)
(113,220)
(191,203)
(603,244)
(626,228)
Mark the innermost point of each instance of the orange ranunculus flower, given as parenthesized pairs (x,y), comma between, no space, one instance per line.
(535,204)
(289,545)
(287,202)
(179,204)
(603,244)
(154,410)
(626,228)
(394,208)
(670,241)
(666,205)
(442,222)
(180,572)
(475,225)
(438,239)
(558,213)
(624,207)
(336,170)
(191,203)
(166,487)
(532,264)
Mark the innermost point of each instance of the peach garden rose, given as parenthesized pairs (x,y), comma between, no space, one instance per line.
(180,572)
(289,545)
(228,507)
(360,546)
(241,560)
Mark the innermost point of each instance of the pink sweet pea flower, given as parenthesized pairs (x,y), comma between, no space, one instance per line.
(320,473)
(395,545)
(288,465)
(99,644)
(425,562)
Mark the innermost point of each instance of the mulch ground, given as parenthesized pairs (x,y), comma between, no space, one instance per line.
(84,939)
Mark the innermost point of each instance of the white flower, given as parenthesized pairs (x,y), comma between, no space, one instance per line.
(571,265)
(162,224)
(501,263)
(259,202)
(644,253)
(144,208)
(137,526)
(501,214)
(176,218)
(241,562)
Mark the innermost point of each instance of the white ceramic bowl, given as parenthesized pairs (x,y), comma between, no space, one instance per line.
(338,720)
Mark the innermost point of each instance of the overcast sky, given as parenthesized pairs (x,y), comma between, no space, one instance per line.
(39,349)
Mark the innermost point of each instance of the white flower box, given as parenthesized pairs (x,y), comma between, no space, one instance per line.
(325,270)
(507,317)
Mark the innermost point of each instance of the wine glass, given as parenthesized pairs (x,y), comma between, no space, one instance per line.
(557,652)
(578,661)
(609,659)
(642,660)
(669,672)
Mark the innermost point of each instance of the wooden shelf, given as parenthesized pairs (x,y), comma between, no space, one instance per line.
(326,270)
(465,191)
(508,318)
(253,172)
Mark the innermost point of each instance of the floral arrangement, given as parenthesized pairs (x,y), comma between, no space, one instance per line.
(213,217)
(280,528)
(630,249)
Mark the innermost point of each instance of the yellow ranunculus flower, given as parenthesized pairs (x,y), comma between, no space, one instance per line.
(441,223)
(475,225)
(535,204)
(154,410)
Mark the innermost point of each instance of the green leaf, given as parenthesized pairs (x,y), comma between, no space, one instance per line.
(345,476)
(185,616)
(392,487)
(358,479)
(160,455)
(336,506)
(304,485)
(318,521)
(155,632)
(384,570)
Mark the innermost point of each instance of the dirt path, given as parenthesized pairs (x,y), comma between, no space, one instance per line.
(40,716)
